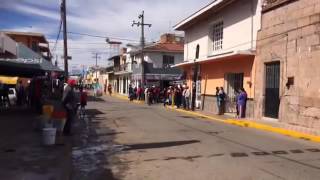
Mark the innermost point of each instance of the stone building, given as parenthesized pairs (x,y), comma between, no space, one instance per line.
(287,71)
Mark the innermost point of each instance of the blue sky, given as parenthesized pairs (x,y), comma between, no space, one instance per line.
(111,18)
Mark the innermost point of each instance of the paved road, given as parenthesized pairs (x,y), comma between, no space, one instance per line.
(135,142)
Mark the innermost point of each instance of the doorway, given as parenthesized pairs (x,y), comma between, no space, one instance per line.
(272,84)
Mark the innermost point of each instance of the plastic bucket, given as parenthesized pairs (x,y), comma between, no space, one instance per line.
(49,136)
(59,120)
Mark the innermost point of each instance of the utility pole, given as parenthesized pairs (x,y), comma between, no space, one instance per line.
(65,39)
(142,44)
(96,56)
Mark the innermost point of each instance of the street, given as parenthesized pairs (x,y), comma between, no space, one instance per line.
(122,140)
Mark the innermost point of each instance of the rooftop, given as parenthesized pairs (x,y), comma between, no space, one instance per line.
(164,47)
(32,34)
(202,14)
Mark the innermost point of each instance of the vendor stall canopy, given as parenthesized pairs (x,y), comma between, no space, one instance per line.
(8,80)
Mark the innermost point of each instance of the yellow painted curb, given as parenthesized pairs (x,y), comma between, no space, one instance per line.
(291,133)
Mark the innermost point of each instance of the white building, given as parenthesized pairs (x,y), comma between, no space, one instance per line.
(159,57)
(220,44)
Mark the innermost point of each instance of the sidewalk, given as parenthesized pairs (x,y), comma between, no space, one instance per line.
(21,154)
(274,127)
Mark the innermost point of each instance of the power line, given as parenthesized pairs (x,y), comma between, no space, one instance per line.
(58,36)
(99,36)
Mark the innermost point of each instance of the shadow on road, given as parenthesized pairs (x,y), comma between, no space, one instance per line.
(158,145)
(95,99)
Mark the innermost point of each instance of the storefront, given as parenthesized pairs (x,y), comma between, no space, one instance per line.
(230,71)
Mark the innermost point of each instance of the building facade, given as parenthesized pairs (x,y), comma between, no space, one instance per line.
(124,70)
(35,41)
(158,59)
(220,45)
(287,73)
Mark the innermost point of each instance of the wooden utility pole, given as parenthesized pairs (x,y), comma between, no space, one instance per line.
(142,44)
(96,56)
(65,39)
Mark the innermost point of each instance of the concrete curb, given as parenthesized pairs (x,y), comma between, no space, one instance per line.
(241,123)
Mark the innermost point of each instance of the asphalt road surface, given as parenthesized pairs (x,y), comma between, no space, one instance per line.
(122,140)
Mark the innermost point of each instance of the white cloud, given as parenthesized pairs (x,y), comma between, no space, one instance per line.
(106,18)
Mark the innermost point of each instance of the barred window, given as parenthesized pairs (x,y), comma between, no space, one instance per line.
(167,61)
(217,35)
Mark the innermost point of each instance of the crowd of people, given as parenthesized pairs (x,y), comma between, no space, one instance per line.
(177,95)
(180,97)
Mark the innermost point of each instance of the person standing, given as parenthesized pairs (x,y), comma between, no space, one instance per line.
(131,93)
(221,98)
(183,97)
(146,95)
(169,94)
(139,93)
(218,99)
(69,103)
(187,95)
(242,103)
(110,89)
(237,104)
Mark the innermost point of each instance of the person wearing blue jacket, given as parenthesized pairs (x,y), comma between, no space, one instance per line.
(242,102)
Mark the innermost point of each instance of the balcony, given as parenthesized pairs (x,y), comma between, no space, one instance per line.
(122,69)
(272,4)
(7,45)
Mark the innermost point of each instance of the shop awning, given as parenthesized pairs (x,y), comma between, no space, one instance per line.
(219,57)
(159,77)
(26,67)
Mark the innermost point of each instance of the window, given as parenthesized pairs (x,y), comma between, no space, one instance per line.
(34,46)
(217,36)
(167,61)
(234,81)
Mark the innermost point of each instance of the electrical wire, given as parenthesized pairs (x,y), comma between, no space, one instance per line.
(58,36)
(105,37)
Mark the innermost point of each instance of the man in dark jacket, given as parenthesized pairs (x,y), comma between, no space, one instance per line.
(69,102)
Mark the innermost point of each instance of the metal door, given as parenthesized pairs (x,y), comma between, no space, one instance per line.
(272,83)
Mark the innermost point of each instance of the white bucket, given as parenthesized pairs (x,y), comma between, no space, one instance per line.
(49,136)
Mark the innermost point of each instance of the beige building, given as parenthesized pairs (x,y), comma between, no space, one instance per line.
(287,73)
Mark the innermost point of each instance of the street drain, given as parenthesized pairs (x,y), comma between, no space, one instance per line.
(296,151)
(261,153)
(279,152)
(313,150)
(239,155)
